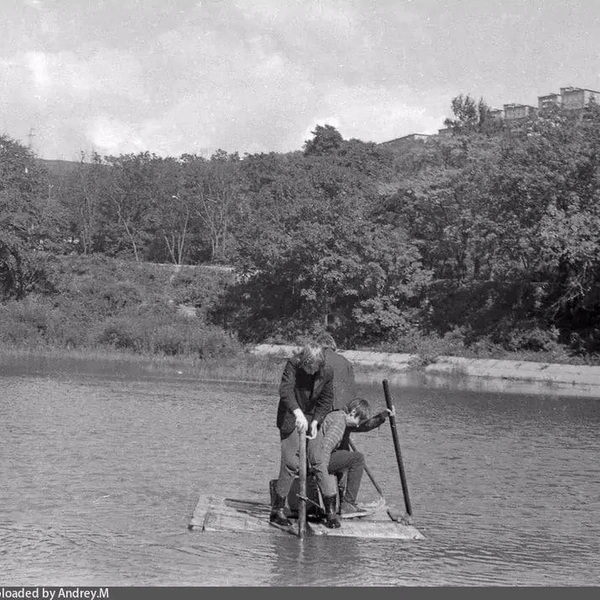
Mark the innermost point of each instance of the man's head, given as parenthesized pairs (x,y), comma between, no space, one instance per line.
(310,358)
(325,340)
(357,411)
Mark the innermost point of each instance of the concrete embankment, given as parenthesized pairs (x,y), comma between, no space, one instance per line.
(508,376)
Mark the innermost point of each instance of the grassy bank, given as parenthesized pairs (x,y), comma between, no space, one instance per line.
(244,367)
(97,306)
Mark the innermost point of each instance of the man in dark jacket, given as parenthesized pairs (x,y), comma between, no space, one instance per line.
(305,399)
(344,384)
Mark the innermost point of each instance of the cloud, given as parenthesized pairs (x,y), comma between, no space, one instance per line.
(109,135)
(62,93)
(194,76)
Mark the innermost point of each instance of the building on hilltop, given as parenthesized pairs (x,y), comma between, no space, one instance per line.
(570,98)
(404,140)
(518,111)
(577,98)
(549,101)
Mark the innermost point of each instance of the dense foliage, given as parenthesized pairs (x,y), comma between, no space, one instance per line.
(102,302)
(487,235)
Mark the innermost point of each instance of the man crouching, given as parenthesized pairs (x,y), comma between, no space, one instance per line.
(323,444)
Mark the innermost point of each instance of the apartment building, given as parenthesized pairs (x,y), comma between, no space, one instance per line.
(569,98)
(518,111)
(573,98)
(549,101)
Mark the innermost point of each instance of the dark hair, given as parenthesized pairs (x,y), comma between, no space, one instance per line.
(326,341)
(361,406)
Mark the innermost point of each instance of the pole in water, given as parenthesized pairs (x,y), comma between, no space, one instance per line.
(302,486)
(388,401)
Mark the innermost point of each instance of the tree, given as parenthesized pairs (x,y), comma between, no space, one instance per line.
(311,254)
(508,225)
(469,115)
(129,200)
(327,139)
(81,198)
(22,182)
(211,191)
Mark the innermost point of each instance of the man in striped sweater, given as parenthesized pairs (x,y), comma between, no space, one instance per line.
(326,460)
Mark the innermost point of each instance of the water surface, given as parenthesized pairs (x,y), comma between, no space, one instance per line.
(101,468)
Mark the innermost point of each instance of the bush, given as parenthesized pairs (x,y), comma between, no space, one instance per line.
(120,334)
(201,288)
(121,295)
(124,306)
(18,333)
(429,346)
(168,336)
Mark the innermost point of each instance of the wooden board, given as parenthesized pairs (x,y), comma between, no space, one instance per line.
(227,514)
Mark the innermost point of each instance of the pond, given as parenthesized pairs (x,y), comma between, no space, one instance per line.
(101,469)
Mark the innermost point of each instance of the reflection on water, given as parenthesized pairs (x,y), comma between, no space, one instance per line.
(101,472)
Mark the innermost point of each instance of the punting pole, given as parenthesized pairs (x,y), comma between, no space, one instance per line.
(368,472)
(388,401)
(302,482)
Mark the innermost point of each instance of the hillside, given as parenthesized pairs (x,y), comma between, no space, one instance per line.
(58,168)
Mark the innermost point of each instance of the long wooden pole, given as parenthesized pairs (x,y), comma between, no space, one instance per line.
(367,471)
(302,486)
(388,401)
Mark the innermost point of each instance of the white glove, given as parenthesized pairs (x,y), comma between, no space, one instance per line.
(301,422)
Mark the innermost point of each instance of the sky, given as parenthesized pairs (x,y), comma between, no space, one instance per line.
(172,77)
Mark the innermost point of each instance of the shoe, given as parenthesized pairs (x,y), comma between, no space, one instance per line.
(277,516)
(350,510)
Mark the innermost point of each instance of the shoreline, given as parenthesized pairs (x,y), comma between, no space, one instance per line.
(262,363)
(474,374)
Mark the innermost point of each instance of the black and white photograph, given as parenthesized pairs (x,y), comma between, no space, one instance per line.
(298,294)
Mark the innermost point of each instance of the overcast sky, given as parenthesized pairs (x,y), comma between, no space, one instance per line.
(193,76)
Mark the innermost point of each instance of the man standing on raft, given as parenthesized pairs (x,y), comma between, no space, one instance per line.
(305,399)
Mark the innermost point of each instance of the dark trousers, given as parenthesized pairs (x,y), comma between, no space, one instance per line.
(352,464)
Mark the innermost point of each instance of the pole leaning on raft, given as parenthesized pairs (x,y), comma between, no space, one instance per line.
(302,486)
(367,471)
(388,401)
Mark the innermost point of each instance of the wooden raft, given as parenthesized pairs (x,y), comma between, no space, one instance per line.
(227,514)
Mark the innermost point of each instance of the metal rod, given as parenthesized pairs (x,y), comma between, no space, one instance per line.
(388,400)
(302,482)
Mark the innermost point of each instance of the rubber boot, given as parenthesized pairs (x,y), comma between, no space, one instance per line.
(331,519)
(272,492)
(277,515)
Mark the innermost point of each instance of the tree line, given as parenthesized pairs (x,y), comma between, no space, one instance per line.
(490,233)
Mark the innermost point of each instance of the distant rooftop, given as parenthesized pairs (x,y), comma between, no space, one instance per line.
(569,98)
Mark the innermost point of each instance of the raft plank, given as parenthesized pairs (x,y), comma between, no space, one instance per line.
(229,514)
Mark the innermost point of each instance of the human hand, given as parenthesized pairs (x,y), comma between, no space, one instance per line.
(392,412)
(313,431)
(301,422)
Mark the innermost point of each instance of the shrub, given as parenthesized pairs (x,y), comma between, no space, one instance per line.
(201,288)
(18,333)
(120,334)
(121,295)
(169,336)
(25,322)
